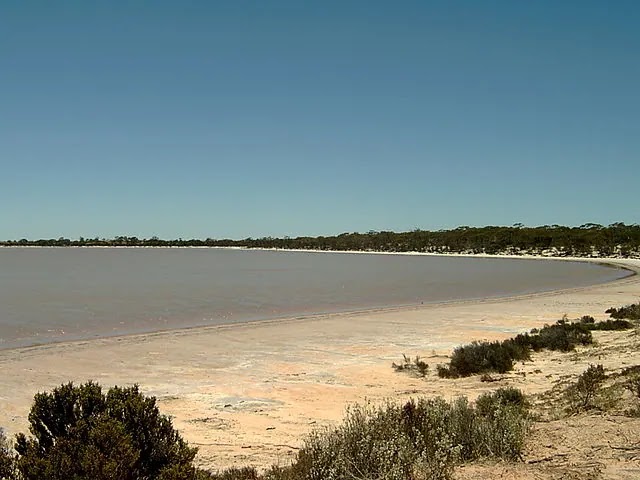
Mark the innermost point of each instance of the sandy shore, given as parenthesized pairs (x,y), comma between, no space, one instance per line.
(248,393)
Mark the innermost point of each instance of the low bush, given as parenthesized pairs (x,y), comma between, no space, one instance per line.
(562,336)
(488,403)
(610,325)
(629,312)
(583,393)
(481,357)
(420,439)
(417,366)
(487,357)
(587,319)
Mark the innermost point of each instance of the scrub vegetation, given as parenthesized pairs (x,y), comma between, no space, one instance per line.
(82,432)
(590,239)
(501,356)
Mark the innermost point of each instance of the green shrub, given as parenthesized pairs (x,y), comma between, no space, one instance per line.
(609,324)
(511,397)
(629,312)
(485,357)
(583,393)
(563,336)
(82,433)
(420,439)
(480,357)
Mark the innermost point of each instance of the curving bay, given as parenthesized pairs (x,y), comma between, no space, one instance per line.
(51,295)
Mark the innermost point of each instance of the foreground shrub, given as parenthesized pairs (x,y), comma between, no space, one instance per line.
(583,393)
(420,439)
(78,432)
(629,312)
(7,458)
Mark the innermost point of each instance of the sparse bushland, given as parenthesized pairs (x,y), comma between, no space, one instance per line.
(587,240)
(422,439)
(84,434)
(500,356)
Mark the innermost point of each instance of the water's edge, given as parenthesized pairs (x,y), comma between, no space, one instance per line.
(628,265)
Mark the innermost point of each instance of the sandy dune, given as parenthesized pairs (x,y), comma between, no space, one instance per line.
(248,393)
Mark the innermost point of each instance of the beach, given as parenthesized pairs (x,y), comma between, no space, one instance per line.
(248,393)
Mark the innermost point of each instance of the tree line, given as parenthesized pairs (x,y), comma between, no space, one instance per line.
(617,239)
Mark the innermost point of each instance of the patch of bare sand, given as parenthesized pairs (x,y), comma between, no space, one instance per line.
(247,394)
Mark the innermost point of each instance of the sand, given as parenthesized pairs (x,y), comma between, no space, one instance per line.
(247,394)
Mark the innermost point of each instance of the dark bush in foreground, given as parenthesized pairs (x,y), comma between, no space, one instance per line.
(79,432)
(629,312)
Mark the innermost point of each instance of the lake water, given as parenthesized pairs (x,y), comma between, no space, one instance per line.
(49,295)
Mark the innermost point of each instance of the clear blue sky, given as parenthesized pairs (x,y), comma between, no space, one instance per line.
(235,119)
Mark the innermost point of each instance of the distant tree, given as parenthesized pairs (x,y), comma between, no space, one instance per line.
(80,433)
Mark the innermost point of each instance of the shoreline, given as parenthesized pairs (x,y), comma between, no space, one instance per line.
(625,264)
(248,393)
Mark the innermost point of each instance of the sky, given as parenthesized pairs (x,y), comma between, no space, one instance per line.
(235,119)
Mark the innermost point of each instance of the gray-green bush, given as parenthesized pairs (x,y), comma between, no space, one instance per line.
(420,439)
(583,393)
